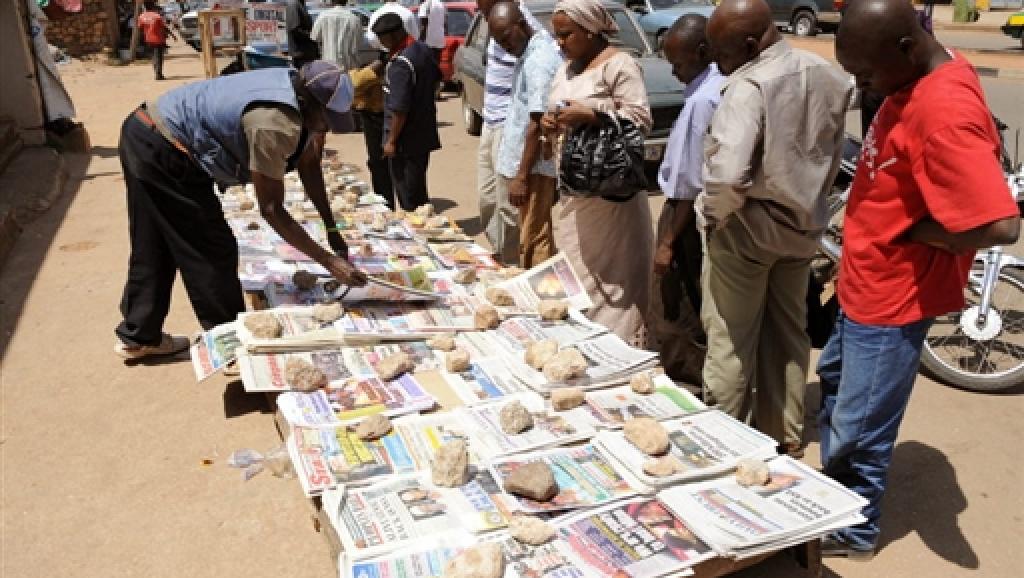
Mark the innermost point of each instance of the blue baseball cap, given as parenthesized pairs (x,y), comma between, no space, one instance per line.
(332,87)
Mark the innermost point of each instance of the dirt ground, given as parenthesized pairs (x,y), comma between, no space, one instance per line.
(103,463)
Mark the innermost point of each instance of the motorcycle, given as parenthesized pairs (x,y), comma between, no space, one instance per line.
(980,348)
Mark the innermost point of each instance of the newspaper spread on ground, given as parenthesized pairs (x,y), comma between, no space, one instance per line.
(462,254)
(402,285)
(611,361)
(638,538)
(264,372)
(610,408)
(353,400)
(797,501)
(552,279)
(390,321)
(707,444)
(299,331)
(514,334)
(550,428)
(215,349)
(585,478)
(324,458)
(475,386)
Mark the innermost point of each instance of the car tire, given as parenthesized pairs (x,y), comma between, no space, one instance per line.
(804,23)
(470,118)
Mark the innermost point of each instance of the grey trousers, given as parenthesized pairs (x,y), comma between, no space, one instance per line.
(754,311)
(499,219)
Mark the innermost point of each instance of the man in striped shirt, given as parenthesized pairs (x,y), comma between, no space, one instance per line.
(500,220)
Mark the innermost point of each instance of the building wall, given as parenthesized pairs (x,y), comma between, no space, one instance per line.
(19,90)
(84,33)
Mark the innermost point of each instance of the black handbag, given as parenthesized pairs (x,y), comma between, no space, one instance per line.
(604,160)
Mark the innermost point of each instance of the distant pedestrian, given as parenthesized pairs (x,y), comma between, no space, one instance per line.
(410,126)
(433,16)
(525,161)
(298,27)
(928,193)
(154,34)
(676,330)
(412,24)
(772,153)
(339,32)
(368,103)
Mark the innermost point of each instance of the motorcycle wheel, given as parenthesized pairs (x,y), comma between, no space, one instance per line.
(987,365)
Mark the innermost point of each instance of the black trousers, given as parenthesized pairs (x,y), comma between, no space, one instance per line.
(409,175)
(175,224)
(158,60)
(373,134)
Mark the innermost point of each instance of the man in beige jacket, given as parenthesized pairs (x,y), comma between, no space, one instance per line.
(772,152)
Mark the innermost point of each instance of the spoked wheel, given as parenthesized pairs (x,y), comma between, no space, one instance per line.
(985,356)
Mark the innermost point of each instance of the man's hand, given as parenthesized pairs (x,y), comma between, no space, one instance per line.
(518,193)
(662,258)
(575,114)
(389,149)
(335,240)
(345,272)
(549,123)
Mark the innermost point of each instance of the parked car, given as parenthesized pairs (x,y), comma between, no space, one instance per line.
(459,15)
(664,92)
(807,17)
(1014,27)
(657,16)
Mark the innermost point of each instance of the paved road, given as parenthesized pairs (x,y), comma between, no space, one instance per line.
(966,39)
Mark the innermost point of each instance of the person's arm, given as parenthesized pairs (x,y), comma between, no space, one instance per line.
(399,101)
(397,124)
(1001,232)
(664,249)
(730,154)
(518,193)
(270,196)
(312,178)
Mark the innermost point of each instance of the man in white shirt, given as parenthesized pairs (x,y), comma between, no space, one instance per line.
(339,32)
(412,25)
(433,14)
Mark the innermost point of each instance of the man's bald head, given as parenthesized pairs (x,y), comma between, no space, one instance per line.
(739,30)
(883,44)
(485,6)
(686,47)
(508,27)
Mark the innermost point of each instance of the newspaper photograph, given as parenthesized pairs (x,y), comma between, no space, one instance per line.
(585,478)
(611,408)
(462,254)
(552,279)
(311,410)
(706,444)
(475,386)
(550,428)
(638,538)
(728,516)
(343,403)
(215,349)
(480,505)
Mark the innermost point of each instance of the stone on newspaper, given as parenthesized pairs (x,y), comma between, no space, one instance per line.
(499,296)
(263,325)
(328,312)
(456,361)
(366,250)
(450,468)
(350,197)
(515,418)
(566,398)
(392,366)
(465,276)
(530,530)
(297,213)
(303,375)
(436,222)
(510,272)
(567,364)
(304,280)
(540,352)
(663,466)
(534,481)
(642,383)
(443,342)
(253,226)
(486,317)
(482,561)
(373,428)
(451,235)
(379,223)
(332,286)
(647,435)
(462,255)
(246,204)
(751,472)
(425,210)
(553,309)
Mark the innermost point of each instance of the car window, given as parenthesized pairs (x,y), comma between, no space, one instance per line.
(666,4)
(458,22)
(629,35)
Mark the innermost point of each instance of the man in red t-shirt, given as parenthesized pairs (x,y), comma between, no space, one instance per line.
(929,192)
(154,34)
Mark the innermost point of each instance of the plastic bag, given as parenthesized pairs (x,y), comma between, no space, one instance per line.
(252,462)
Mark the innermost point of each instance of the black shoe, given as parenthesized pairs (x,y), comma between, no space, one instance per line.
(832,547)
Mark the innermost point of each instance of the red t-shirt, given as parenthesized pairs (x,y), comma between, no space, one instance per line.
(154,31)
(932,151)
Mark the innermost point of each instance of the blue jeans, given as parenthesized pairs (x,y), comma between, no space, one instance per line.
(867,373)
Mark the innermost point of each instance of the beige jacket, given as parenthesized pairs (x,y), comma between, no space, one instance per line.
(774,147)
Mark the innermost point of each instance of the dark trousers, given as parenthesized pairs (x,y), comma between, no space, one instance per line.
(175,224)
(373,134)
(158,59)
(409,175)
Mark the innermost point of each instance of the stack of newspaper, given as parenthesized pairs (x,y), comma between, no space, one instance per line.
(611,408)
(797,505)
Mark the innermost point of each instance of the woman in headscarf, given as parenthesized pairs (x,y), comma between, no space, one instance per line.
(609,243)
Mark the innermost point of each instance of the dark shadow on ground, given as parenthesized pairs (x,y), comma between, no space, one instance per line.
(22,265)
(471,225)
(237,402)
(442,204)
(924,496)
(444,124)
(103,152)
